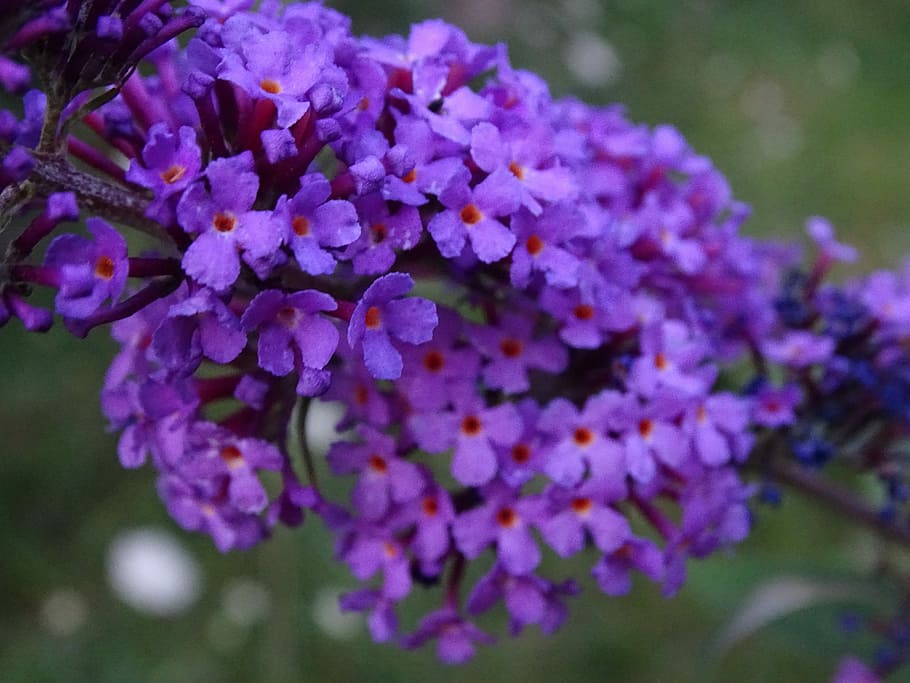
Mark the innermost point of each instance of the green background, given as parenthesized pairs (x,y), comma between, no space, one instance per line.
(803,104)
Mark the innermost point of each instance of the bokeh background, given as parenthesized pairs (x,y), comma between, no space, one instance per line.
(804,104)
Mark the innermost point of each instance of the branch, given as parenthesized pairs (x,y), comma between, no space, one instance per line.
(835,497)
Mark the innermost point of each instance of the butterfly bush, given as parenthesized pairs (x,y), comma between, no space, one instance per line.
(523,304)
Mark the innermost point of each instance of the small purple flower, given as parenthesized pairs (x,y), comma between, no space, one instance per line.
(506,520)
(294,336)
(381,315)
(368,550)
(455,636)
(201,325)
(385,479)
(775,407)
(224,225)
(471,214)
(316,222)
(613,570)
(384,234)
(574,515)
(169,164)
(90,272)
(800,349)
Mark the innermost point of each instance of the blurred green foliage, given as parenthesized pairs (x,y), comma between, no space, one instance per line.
(803,104)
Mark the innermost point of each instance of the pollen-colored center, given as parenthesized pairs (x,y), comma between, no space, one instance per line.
(470,426)
(379,231)
(272,87)
(511,347)
(301,226)
(410,176)
(104,267)
(471,215)
(390,550)
(583,312)
(582,506)
(364,103)
(507,517)
(534,245)
(701,414)
(224,222)
(232,456)
(521,453)
(173,174)
(517,170)
(434,361)
(645,427)
(360,395)
(582,436)
(373,317)
(661,362)
(429,506)
(377,464)
(289,317)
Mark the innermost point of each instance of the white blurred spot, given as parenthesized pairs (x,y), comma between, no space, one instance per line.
(329,617)
(321,418)
(780,138)
(592,60)
(838,65)
(246,602)
(64,612)
(150,571)
(763,100)
(779,597)
(582,12)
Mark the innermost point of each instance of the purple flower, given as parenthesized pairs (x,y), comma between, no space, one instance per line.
(455,636)
(800,349)
(315,222)
(471,215)
(384,477)
(201,325)
(613,570)
(223,224)
(573,515)
(775,407)
(294,336)
(89,272)
(383,235)
(169,164)
(505,520)
(381,315)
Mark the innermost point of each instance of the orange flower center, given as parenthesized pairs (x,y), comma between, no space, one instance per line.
(583,312)
(429,506)
(272,87)
(471,215)
(645,427)
(583,436)
(232,456)
(434,361)
(378,464)
(511,347)
(373,317)
(534,245)
(410,176)
(507,517)
(470,426)
(104,267)
(521,453)
(582,506)
(301,226)
(517,170)
(224,222)
(173,174)
(661,362)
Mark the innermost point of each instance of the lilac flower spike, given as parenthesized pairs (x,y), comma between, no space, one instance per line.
(381,315)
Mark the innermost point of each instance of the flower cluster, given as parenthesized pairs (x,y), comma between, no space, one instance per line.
(521,303)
